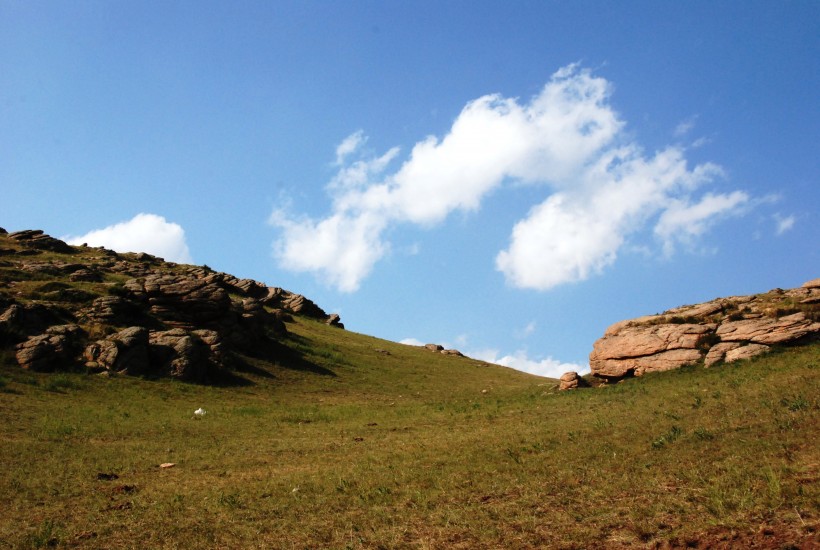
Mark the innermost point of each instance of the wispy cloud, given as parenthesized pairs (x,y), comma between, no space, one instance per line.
(685,126)
(682,221)
(143,233)
(784,223)
(348,145)
(602,188)
(526,331)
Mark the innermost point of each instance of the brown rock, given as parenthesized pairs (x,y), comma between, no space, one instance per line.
(86,275)
(181,354)
(182,300)
(570,381)
(745,352)
(36,239)
(334,320)
(768,331)
(814,283)
(21,320)
(638,366)
(126,352)
(718,352)
(637,349)
(723,329)
(434,347)
(53,350)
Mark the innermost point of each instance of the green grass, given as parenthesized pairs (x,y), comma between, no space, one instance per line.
(341,445)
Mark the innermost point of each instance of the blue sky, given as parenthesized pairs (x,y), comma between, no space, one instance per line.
(504,178)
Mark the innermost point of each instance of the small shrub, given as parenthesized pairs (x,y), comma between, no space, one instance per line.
(117,289)
(670,436)
(679,320)
(798,403)
(703,434)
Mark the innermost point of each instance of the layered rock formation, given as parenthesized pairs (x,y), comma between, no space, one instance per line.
(725,329)
(62,307)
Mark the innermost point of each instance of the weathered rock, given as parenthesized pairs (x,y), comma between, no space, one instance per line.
(454,352)
(638,366)
(725,329)
(53,350)
(570,381)
(113,310)
(434,347)
(636,350)
(126,352)
(35,238)
(768,331)
(814,283)
(335,320)
(86,275)
(21,320)
(185,301)
(183,321)
(181,354)
(717,353)
(745,352)
(251,288)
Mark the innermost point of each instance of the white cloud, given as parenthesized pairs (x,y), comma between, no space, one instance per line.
(526,331)
(143,233)
(349,145)
(411,342)
(548,367)
(784,224)
(577,233)
(567,137)
(682,221)
(342,249)
(685,127)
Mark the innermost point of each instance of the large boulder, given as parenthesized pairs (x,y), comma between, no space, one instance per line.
(768,331)
(182,300)
(55,349)
(185,355)
(636,350)
(126,352)
(570,381)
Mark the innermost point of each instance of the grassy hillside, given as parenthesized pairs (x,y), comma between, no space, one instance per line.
(354,442)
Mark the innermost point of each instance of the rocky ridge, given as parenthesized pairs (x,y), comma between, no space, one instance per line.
(721,330)
(67,307)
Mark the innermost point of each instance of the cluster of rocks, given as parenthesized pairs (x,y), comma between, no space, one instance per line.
(437,348)
(148,316)
(36,239)
(725,329)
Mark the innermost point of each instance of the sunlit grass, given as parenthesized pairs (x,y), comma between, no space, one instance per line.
(382,445)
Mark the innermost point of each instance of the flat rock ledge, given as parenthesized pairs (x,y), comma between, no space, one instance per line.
(721,330)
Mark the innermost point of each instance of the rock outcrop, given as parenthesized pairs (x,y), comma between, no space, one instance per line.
(66,307)
(725,329)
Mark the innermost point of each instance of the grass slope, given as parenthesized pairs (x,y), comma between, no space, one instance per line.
(354,442)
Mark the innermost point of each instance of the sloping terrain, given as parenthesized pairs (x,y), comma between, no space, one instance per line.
(318,437)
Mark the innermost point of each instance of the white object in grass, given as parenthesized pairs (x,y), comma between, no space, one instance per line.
(200,412)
